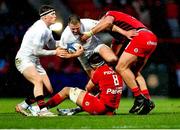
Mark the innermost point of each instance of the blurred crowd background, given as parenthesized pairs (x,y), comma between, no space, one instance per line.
(162,16)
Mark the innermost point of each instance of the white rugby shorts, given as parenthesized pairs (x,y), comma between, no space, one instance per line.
(22,64)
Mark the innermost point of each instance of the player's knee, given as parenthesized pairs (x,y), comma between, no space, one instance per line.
(117,69)
(66,90)
(74,94)
(112,59)
(120,68)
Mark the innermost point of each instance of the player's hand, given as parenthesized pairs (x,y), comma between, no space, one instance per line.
(61,52)
(131,33)
(79,51)
(85,36)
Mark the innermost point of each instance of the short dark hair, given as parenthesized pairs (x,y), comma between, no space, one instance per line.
(95,60)
(45,9)
(74,19)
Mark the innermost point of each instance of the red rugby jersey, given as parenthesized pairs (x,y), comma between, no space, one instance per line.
(125,21)
(110,85)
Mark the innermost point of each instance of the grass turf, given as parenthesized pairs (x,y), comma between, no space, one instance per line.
(165,115)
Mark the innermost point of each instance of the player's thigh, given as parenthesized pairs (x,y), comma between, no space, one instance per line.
(126,60)
(29,68)
(106,52)
(81,98)
(31,74)
(76,95)
(93,105)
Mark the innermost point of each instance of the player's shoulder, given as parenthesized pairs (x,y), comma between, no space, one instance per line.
(67,35)
(39,23)
(114,13)
(67,32)
(88,20)
(39,26)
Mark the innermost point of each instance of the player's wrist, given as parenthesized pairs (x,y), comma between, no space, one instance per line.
(90,33)
(54,52)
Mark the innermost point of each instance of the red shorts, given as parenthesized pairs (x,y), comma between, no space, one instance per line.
(93,105)
(142,45)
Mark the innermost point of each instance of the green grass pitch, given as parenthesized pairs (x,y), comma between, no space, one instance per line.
(165,115)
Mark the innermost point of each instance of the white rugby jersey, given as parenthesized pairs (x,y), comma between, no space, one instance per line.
(68,37)
(35,39)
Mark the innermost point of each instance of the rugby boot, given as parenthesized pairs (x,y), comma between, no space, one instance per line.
(22,110)
(69,111)
(148,106)
(138,104)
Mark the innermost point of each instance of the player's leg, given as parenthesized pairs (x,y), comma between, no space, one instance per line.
(58,98)
(47,83)
(136,69)
(22,107)
(124,69)
(92,104)
(44,77)
(75,94)
(116,46)
(25,106)
(31,75)
(142,84)
(149,104)
(34,77)
(86,101)
(49,91)
(106,53)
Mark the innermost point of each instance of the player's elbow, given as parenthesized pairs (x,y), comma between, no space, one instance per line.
(108,24)
(87,89)
(35,52)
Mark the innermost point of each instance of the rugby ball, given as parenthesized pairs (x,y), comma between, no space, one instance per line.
(73,47)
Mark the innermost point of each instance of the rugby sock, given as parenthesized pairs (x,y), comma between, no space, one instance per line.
(30,100)
(146,93)
(54,101)
(24,105)
(136,91)
(40,101)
